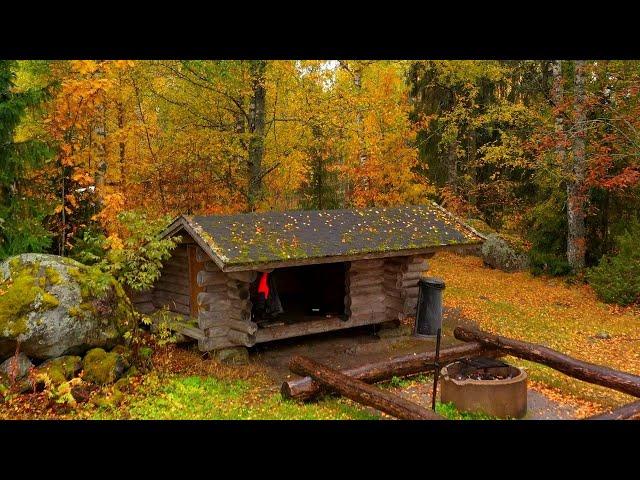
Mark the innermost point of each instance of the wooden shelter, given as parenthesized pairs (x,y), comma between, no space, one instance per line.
(332,269)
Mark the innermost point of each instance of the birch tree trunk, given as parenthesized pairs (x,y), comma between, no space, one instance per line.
(576,195)
(257,127)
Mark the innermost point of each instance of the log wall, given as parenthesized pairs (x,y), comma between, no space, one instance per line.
(376,291)
(364,292)
(225,308)
(400,283)
(171,290)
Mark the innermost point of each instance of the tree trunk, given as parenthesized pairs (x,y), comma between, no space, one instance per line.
(306,388)
(257,126)
(587,372)
(630,411)
(360,392)
(452,167)
(576,194)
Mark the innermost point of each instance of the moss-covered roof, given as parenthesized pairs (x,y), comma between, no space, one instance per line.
(270,237)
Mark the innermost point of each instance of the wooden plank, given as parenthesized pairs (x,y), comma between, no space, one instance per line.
(177,279)
(192,332)
(247,277)
(195,266)
(172,287)
(360,309)
(366,290)
(168,296)
(312,327)
(205,278)
(211,317)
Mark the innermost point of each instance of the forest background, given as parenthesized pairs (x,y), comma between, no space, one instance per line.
(96,156)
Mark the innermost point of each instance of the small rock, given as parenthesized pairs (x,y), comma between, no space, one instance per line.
(602,335)
(233,356)
(101,367)
(16,366)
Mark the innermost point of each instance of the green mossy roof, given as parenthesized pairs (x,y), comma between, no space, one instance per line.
(256,238)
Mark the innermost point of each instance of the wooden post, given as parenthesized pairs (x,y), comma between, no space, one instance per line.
(587,372)
(360,392)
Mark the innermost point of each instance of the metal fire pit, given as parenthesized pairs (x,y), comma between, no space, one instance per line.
(470,384)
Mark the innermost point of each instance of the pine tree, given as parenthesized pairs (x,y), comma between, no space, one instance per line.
(21,228)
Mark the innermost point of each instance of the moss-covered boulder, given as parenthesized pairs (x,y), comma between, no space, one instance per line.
(505,252)
(101,367)
(61,369)
(56,306)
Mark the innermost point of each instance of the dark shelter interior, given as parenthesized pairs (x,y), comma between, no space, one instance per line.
(294,294)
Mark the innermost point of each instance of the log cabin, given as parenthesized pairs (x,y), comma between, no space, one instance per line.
(258,277)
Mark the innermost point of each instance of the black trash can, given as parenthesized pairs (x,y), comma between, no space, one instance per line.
(429,311)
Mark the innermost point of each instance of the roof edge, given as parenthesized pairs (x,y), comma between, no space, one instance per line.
(181,222)
(457,219)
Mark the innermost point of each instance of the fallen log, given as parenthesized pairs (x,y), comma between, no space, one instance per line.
(587,372)
(361,392)
(306,388)
(631,411)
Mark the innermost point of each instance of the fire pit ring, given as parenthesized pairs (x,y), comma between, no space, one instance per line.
(487,386)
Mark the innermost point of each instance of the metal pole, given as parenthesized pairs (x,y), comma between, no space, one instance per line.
(436,370)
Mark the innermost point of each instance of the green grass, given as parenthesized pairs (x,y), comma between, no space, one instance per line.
(450,412)
(208,398)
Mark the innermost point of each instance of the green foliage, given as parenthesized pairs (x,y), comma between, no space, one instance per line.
(547,233)
(137,261)
(189,398)
(449,411)
(21,219)
(617,278)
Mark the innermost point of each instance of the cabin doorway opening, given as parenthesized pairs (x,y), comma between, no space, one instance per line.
(294,294)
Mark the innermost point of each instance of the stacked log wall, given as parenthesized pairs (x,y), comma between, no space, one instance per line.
(400,283)
(171,290)
(224,314)
(364,291)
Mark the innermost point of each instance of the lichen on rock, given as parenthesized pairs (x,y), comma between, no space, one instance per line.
(54,306)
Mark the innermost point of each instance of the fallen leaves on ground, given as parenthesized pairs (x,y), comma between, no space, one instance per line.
(548,311)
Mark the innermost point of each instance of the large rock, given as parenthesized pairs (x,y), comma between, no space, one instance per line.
(16,366)
(56,306)
(505,252)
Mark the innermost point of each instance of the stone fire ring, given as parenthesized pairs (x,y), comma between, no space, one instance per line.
(500,398)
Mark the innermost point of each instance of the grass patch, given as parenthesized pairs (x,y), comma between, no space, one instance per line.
(449,411)
(208,398)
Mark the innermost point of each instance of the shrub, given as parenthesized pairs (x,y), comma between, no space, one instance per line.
(547,232)
(504,252)
(617,278)
(548,264)
(134,261)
